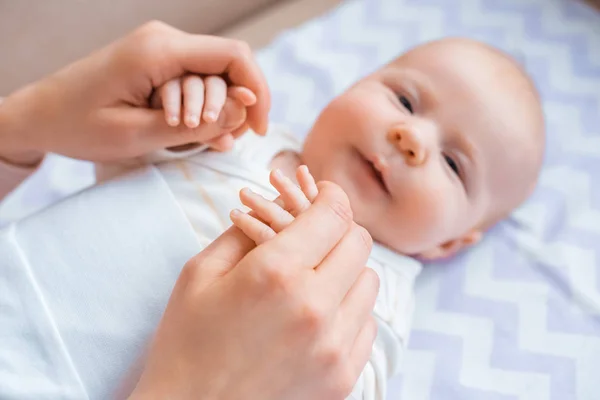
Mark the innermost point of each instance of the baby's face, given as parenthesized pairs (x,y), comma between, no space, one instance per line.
(433,147)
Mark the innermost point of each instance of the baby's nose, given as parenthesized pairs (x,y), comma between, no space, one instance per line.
(408,144)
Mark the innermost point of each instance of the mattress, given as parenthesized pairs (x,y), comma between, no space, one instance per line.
(518,316)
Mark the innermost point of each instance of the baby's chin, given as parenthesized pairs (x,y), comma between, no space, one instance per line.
(405,238)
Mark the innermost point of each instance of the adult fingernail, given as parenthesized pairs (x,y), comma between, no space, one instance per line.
(235,213)
(247,191)
(262,129)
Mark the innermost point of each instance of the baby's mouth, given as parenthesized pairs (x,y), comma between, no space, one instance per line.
(378,177)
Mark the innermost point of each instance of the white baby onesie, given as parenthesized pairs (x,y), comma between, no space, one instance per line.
(207,185)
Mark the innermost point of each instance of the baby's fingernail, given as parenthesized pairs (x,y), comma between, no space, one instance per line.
(210,116)
(277,173)
(173,120)
(192,121)
(235,213)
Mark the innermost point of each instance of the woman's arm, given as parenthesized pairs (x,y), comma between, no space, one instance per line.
(15,166)
(11,175)
(98,109)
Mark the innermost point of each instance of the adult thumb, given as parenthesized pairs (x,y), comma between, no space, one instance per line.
(220,257)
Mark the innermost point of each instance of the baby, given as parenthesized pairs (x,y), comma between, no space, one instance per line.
(432,150)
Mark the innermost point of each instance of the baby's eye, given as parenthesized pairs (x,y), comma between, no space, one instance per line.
(406,103)
(452,164)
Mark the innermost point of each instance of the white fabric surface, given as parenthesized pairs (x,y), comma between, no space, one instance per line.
(83,285)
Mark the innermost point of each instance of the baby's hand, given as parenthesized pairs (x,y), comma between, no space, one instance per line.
(203,101)
(267,217)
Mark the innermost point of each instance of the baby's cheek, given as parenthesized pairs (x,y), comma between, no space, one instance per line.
(363,109)
(430,216)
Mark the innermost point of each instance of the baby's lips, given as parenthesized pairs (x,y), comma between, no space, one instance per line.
(380,162)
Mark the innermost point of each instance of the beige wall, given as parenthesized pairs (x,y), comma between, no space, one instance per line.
(40,36)
(260,28)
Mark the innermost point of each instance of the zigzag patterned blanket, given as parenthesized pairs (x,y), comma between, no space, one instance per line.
(518,317)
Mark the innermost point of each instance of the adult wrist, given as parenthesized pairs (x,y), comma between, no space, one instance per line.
(16,144)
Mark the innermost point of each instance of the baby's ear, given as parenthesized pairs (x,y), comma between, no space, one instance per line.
(451,247)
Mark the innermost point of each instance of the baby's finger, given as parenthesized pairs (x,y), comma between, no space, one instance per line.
(244,95)
(193,99)
(255,229)
(268,211)
(307,183)
(222,143)
(216,94)
(293,197)
(170,93)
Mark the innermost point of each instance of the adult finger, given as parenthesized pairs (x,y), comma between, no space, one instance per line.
(162,52)
(241,130)
(220,56)
(222,143)
(363,348)
(242,94)
(343,265)
(358,304)
(311,236)
(222,255)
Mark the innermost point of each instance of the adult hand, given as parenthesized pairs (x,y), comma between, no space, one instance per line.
(98,108)
(289,319)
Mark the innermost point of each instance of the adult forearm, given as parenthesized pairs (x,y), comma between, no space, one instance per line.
(17,162)
(16,145)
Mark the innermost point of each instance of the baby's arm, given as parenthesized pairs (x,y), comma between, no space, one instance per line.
(267,219)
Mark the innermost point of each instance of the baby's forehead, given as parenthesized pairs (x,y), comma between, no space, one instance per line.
(478,84)
(463,58)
